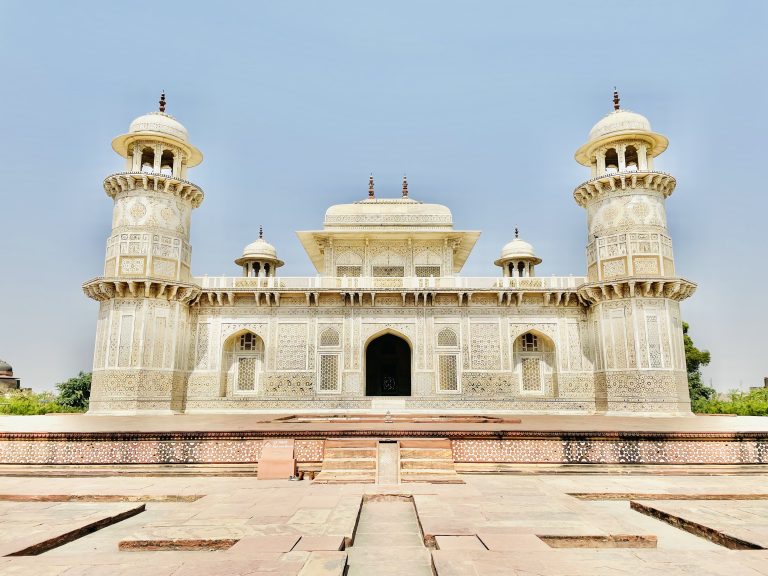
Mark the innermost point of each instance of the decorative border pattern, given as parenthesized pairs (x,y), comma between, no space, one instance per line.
(490,446)
(612,451)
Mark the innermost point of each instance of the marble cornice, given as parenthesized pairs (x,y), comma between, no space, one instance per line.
(620,181)
(105,288)
(673,288)
(130,181)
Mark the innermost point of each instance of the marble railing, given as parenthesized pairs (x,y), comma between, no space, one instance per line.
(384,283)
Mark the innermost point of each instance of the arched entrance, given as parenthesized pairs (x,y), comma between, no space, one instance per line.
(388,367)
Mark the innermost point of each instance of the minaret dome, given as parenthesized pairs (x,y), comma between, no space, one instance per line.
(157,143)
(621,141)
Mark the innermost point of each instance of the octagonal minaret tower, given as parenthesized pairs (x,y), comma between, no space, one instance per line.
(632,290)
(146,286)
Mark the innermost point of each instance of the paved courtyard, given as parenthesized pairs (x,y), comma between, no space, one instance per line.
(542,524)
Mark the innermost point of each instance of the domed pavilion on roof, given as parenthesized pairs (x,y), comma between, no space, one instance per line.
(388,322)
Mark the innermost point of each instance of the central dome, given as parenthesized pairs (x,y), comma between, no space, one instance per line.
(619,121)
(388,213)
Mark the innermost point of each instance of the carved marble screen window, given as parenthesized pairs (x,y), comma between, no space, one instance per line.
(448,356)
(535,361)
(329,362)
(427,271)
(248,363)
(349,271)
(388,271)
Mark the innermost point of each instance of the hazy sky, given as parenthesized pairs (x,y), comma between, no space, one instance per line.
(294,103)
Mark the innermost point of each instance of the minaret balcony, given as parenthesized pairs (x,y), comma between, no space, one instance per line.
(628,180)
(156,182)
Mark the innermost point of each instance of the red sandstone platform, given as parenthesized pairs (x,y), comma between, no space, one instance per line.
(492,443)
(417,424)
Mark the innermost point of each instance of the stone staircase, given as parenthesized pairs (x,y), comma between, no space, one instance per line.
(360,461)
(349,461)
(428,460)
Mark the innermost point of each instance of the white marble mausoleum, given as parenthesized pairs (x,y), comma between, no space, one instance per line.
(388,322)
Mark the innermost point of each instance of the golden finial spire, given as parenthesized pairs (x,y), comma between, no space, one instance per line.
(517,232)
(261,232)
(370,187)
(162,101)
(405,186)
(615,98)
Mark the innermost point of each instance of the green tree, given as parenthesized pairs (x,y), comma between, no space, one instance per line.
(75,392)
(26,403)
(694,360)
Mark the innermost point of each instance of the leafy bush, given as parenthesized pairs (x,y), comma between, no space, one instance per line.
(75,392)
(30,403)
(72,396)
(752,403)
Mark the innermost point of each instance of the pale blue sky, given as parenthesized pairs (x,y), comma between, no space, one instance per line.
(294,103)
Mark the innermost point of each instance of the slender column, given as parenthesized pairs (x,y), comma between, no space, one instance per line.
(621,150)
(177,163)
(601,162)
(642,158)
(158,155)
(136,157)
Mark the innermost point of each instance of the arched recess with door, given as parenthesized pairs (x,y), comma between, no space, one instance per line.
(242,364)
(535,364)
(388,365)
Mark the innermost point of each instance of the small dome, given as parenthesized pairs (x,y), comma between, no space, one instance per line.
(5,368)
(619,121)
(259,250)
(159,122)
(518,250)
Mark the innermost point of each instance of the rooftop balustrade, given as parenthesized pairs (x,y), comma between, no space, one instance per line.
(389,283)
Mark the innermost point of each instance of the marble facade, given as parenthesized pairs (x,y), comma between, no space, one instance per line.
(609,342)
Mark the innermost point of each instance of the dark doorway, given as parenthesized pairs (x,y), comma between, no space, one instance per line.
(388,367)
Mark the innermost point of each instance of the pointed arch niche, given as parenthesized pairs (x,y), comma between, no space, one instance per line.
(242,364)
(534,363)
(388,365)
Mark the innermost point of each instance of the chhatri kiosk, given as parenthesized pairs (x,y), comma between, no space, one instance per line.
(388,322)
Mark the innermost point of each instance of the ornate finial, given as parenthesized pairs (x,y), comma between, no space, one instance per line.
(162,101)
(615,98)
(370,187)
(517,232)
(405,186)
(261,232)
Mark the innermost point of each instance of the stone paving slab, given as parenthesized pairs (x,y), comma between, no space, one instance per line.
(29,529)
(325,564)
(320,543)
(734,524)
(579,563)
(501,542)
